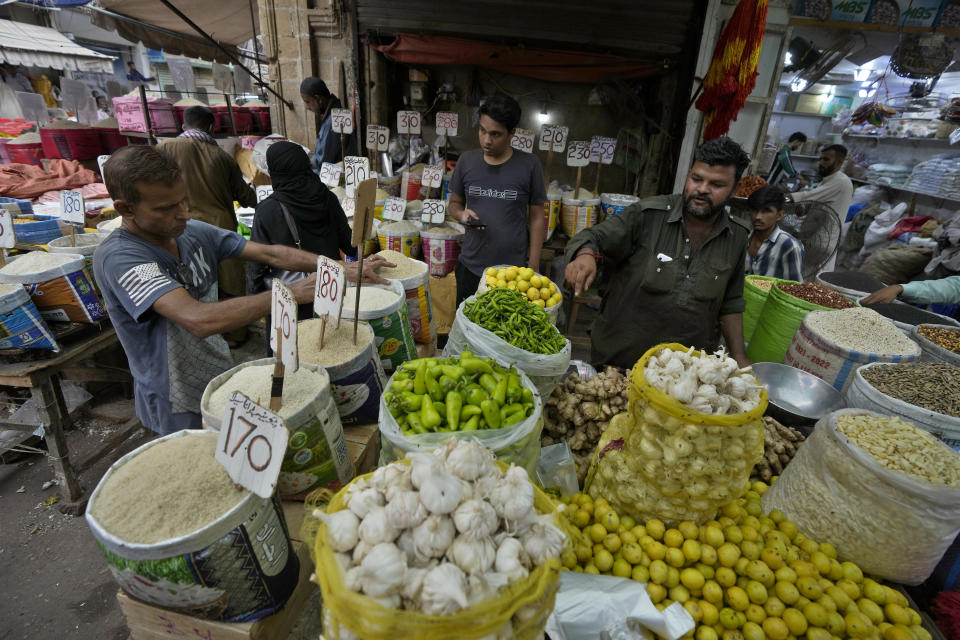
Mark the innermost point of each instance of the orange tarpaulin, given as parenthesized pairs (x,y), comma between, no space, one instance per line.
(27,181)
(543,64)
(733,71)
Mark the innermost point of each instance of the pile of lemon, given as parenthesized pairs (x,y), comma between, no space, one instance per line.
(744,576)
(538,289)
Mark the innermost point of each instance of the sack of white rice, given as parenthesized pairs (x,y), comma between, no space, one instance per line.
(59,284)
(178,534)
(21,325)
(385,309)
(415,278)
(356,375)
(316,456)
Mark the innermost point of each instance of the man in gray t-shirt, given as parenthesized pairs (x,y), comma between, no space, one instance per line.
(491,189)
(158,276)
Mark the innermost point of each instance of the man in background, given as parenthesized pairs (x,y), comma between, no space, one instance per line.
(213,181)
(783,168)
(835,190)
(16,79)
(490,191)
(135,76)
(318,99)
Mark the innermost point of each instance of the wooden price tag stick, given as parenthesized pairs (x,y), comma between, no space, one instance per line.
(73,236)
(362,225)
(276,389)
(549,162)
(596,186)
(576,189)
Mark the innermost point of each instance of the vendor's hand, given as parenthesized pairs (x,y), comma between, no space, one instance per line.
(467,216)
(580,272)
(370,266)
(887,294)
(302,290)
(743,361)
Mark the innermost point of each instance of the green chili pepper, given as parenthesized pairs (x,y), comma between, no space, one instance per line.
(455,372)
(491,413)
(401,385)
(526,396)
(476,396)
(488,382)
(471,424)
(447,384)
(499,394)
(475,365)
(429,416)
(470,410)
(514,390)
(410,402)
(514,418)
(454,408)
(413,419)
(510,408)
(420,379)
(433,388)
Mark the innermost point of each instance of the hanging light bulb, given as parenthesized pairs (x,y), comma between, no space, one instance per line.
(798,85)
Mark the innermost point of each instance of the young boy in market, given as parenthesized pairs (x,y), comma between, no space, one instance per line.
(771,251)
(158,277)
(490,191)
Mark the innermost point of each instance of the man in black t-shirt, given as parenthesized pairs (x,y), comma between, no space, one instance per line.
(491,189)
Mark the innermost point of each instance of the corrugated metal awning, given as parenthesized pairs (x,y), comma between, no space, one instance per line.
(655,31)
(34,46)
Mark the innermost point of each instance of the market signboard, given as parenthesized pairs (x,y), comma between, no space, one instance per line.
(905,13)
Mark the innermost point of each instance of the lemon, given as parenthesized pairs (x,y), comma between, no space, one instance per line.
(501,283)
(584,552)
(612,542)
(757,592)
(733,534)
(755,613)
(737,598)
(775,628)
(673,577)
(774,607)
(539,303)
(632,552)
(603,559)
(852,572)
(835,624)
(692,579)
(726,577)
(809,588)
(858,625)
(658,571)
(591,568)
(816,615)
(729,618)
(795,621)
(622,568)
(535,281)
(874,591)
(491,281)
(752,631)
(655,528)
(871,609)
(706,633)
(610,520)
(522,286)
(511,274)
(655,550)
(679,593)
(512,285)
(598,532)
(816,633)
(656,592)
(897,632)
(533,293)
(675,557)
(554,299)
(492,271)
(708,555)
(640,574)
(693,608)
(709,612)
(553,289)
(580,518)
(526,273)
(896,614)
(568,558)
(728,554)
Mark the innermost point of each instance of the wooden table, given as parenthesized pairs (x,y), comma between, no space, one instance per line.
(43,378)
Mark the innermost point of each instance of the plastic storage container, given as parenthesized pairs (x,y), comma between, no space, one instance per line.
(71,144)
(129,113)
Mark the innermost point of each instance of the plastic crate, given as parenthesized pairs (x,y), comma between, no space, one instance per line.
(111,140)
(242,118)
(261,118)
(71,144)
(26,153)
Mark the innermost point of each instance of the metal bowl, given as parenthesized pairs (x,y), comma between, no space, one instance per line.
(797,398)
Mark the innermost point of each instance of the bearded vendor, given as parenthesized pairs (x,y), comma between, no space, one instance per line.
(674,265)
(158,277)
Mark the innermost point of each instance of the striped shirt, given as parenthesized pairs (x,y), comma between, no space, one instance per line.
(780,256)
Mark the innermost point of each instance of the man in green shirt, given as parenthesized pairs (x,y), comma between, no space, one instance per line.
(675,265)
(783,168)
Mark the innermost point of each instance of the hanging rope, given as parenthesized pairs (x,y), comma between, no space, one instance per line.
(733,71)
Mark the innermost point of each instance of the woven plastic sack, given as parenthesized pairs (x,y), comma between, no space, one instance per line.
(862,395)
(779,320)
(544,370)
(391,328)
(518,444)
(525,605)
(755,298)
(931,351)
(891,525)
(64,293)
(829,361)
(642,469)
(21,325)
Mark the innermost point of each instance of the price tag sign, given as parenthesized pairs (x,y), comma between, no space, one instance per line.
(601,149)
(328,294)
(284,315)
(955,136)
(251,445)
(394,208)
(341,120)
(578,153)
(357,170)
(330,174)
(522,140)
(432,176)
(102,160)
(553,136)
(263,192)
(71,207)
(434,211)
(8,237)
(378,137)
(447,123)
(349,206)
(408,122)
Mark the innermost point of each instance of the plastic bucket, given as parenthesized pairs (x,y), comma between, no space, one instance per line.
(21,325)
(410,185)
(405,242)
(31,153)
(111,139)
(576,215)
(392,332)
(64,293)
(357,383)
(613,203)
(442,250)
(316,456)
(417,290)
(239,568)
(71,144)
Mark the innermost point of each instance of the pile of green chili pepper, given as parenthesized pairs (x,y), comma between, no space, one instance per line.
(510,316)
(465,393)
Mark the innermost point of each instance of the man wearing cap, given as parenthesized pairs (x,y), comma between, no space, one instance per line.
(318,99)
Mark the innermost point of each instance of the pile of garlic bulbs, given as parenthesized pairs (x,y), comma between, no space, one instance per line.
(711,384)
(442,533)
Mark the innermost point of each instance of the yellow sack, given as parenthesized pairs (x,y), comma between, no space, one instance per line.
(347,614)
(662,460)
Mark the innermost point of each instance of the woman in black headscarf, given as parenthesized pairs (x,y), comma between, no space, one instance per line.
(300,213)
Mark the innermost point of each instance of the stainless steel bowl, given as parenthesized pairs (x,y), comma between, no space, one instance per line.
(796,397)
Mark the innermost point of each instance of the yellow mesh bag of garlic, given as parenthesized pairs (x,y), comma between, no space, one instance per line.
(687,443)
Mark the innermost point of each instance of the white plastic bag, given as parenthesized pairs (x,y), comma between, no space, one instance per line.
(876,234)
(890,524)
(544,370)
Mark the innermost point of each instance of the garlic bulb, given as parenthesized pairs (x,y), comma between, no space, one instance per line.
(389,475)
(342,528)
(485,586)
(405,510)
(422,466)
(383,570)
(375,528)
(413,583)
(441,492)
(476,518)
(511,560)
(444,590)
(468,459)
(433,536)
(360,502)
(513,496)
(543,541)
(353,579)
(360,551)
(473,555)
(343,560)
(390,602)
(484,487)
